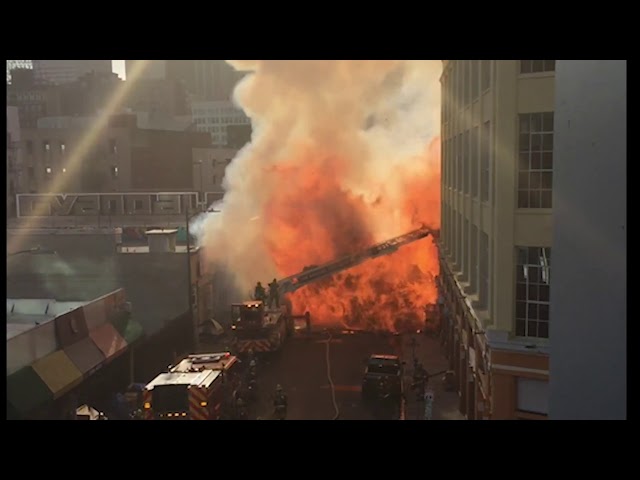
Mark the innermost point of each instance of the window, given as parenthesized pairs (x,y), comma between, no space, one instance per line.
(63,148)
(465,83)
(533,278)
(213,162)
(485,75)
(467,247)
(47,170)
(138,204)
(537,66)
(459,162)
(228,160)
(483,272)
(466,162)
(485,156)
(474,258)
(114,171)
(31,173)
(535,165)
(475,80)
(29,146)
(46,146)
(474,161)
(112,206)
(214,179)
(113,146)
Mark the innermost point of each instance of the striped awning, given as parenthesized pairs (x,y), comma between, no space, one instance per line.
(58,372)
(85,355)
(108,340)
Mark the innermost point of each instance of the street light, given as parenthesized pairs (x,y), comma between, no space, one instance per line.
(34,251)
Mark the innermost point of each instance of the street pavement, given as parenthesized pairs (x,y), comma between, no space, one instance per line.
(301,369)
(428,352)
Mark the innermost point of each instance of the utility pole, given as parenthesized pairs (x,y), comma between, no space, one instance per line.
(190,280)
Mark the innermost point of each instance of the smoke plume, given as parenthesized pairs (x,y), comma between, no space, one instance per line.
(344,154)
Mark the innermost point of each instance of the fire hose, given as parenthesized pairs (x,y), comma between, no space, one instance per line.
(331,385)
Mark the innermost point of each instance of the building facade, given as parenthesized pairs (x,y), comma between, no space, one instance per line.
(17,65)
(216,117)
(495,244)
(121,157)
(589,290)
(205,80)
(14,159)
(57,72)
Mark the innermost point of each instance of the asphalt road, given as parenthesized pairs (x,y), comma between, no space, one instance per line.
(301,368)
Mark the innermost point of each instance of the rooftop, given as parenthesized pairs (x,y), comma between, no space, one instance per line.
(26,313)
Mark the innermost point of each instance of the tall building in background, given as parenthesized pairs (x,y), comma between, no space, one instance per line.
(216,118)
(17,64)
(495,244)
(57,72)
(589,290)
(205,80)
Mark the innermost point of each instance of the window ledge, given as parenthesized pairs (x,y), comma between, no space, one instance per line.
(537,75)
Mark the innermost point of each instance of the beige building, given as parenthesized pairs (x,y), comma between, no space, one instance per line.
(497,169)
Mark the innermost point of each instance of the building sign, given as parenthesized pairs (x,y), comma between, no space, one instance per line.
(104,204)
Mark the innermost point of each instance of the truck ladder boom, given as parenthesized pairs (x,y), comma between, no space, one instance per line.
(294,282)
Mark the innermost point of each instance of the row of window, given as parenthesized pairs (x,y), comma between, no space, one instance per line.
(222,120)
(533,273)
(112,145)
(466,161)
(535,161)
(466,80)
(49,170)
(215,111)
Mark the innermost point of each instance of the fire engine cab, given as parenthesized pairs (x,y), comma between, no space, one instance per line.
(197,388)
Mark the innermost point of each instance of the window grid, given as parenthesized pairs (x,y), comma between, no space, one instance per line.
(474,257)
(535,163)
(475,80)
(474,161)
(533,279)
(485,75)
(537,66)
(466,162)
(485,157)
(483,265)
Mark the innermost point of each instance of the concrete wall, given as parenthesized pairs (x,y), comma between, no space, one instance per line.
(588,292)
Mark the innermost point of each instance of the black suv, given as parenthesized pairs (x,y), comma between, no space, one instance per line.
(382,378)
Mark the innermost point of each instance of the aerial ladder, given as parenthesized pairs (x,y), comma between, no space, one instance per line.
(314,273)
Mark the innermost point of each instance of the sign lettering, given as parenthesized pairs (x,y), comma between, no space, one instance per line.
(107,204)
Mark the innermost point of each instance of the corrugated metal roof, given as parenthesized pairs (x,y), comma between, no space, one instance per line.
(108,340)
(128,328)
(204,379)
(58,372)
(26,391)
(85,355)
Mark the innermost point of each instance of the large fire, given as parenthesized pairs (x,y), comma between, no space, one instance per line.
(344,154)
(312,220)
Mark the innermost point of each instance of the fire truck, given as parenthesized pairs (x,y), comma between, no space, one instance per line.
(200,387)
(264,330)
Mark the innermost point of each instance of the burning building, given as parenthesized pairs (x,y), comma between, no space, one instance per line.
(344,154)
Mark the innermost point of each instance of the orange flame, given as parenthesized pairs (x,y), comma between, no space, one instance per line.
(314,219)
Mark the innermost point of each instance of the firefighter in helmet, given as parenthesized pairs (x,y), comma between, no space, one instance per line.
(274,295)
(280,398)
(260,293)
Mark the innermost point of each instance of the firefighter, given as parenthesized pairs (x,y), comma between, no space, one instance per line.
(280,398)
(274,295)
(260,293)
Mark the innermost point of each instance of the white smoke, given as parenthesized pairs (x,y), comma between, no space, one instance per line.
(379,115)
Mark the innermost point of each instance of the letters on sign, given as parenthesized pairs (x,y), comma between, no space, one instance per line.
(104,204)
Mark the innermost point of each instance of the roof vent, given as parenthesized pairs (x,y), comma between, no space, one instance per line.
(162,241)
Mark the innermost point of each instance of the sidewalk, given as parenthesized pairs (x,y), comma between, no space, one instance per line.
(428,352)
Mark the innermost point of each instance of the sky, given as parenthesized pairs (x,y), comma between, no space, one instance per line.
(118,67)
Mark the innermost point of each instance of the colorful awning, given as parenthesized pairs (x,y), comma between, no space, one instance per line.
(58,372)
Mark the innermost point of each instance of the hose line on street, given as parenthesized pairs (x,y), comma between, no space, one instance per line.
(333,390)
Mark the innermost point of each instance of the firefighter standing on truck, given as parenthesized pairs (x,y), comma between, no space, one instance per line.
(274,295)
(260,293)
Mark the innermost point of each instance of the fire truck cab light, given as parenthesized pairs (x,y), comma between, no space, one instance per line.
(203,404)
(147,405)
